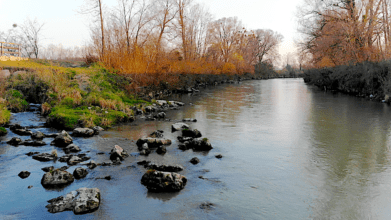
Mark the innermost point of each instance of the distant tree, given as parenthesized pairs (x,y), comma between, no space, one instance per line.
(31,30)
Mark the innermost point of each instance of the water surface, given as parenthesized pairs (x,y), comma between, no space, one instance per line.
(290,151)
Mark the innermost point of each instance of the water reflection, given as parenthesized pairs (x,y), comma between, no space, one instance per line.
(349,148)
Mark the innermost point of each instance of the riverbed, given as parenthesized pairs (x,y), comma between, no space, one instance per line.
(290,151)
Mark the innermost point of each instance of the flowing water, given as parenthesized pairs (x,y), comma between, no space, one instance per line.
(290,151)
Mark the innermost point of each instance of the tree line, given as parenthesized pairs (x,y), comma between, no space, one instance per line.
(339,32)
(176,36)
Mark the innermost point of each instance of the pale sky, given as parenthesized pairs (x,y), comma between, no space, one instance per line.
(64,25)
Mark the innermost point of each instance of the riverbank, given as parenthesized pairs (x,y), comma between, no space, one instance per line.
(93,96)
(368,79)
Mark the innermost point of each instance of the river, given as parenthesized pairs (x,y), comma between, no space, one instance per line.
(290,151)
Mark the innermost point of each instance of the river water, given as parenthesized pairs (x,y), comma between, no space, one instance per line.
(290,151)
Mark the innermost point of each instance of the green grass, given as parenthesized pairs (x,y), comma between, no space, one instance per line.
(3,131)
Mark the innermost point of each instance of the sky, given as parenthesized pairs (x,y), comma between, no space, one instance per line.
(63,25)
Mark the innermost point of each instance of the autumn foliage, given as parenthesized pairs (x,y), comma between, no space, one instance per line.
(154,40)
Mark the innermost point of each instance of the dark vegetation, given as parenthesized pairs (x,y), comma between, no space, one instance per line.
(361,79)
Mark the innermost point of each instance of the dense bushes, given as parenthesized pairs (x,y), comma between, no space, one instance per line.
(361,79)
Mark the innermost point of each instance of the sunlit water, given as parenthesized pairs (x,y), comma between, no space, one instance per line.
(290,151)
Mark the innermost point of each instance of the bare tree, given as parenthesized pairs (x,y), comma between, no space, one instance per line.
(31,30)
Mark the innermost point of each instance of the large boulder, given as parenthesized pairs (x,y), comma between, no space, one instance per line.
(71,148)
(179,126)
(38,135)
(45,157)
(118,152)
(80,172)
(56,178)
(158,181)
(63,139)
(81,201)
(166,168)
(83,132)
(152,142)
(191,133)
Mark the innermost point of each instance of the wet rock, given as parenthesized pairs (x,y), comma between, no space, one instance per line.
(166,168)
(161,149)
(47,169)
(71,148)
(143,162)
(184,139)
(200,144)
(52,135)
(100,153)
(194,160)
(62,140)
(178,103)
(117,161)
(106,178)
(19,130)
(63,168)
(161,115)
(83,132)
(156,134)
(118,152)
(73,160)
(191,133)
(97,129)
(152,142)
(184,146)
(150,118)
(15,141)
(33,143)
(161,102)
(32,153)
(91,164)
(45,157)
(179,126)
(219,156)
(65,158)
(81,201)
(189,120)
(38,135)
(30,187)
(56,178)
(158,181)
(106,164)
(24,174)
(80,172)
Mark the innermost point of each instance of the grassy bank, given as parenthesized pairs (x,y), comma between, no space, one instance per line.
(70,97)
(362,79)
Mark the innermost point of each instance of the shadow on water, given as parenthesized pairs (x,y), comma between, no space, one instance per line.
(163,196)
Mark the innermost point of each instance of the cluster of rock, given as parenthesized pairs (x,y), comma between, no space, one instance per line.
(159,181)
(81,201)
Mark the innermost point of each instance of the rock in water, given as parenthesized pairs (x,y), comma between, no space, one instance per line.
(200,144)
(38,135)
(97,129)
(161,150)
(166,168)
(24,174)
(56,178)
(117,151)
(191,133)
(158,181)
(45,157)
(15,141)
(179,126)
(92,164)
(144,149)
(83,132)
(81,201)
(80,172)
(194,160)
(62,140)
(71,148)
(152,142)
